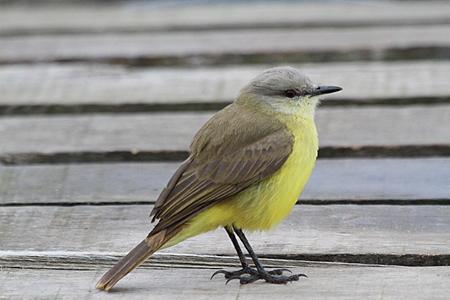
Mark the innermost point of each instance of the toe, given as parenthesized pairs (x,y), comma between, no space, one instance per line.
(249,279)
(219,272)
(233,278)
(279,271)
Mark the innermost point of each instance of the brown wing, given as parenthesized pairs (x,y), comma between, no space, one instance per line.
(233,150)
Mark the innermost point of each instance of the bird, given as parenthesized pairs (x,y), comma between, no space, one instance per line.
(247,167)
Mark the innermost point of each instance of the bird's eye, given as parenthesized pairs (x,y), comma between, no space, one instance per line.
(290,93)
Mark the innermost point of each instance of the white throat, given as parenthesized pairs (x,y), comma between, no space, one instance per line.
(304,107)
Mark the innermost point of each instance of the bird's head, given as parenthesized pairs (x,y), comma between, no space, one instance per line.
(285,90)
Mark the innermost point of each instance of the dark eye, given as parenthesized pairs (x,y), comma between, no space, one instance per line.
(290,93)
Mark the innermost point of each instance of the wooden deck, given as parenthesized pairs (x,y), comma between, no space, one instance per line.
(98,104)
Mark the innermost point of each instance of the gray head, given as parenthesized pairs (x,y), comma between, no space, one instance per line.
(286,89)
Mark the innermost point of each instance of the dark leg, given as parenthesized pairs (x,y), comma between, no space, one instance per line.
(261,272)
(237,247)
(245,267)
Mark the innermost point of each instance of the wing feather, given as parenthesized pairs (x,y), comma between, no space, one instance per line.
(234,150)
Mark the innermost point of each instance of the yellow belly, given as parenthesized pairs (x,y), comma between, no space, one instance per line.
(264,205)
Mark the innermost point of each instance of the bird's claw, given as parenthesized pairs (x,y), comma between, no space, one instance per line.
(218,272)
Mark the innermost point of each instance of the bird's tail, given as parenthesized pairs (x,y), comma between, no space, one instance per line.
(131,261)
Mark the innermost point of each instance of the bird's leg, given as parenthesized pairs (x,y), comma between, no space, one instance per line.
(245,267)
(274,276)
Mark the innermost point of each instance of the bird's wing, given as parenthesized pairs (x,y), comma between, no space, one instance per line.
(233,150)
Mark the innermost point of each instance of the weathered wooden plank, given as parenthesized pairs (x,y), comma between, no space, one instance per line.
(338,180)
(412,235)
(217,47)
(334,282)
(45,19)
(82,84)
(349,128)
(93,260)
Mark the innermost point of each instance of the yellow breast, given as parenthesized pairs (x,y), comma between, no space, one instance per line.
(264,205)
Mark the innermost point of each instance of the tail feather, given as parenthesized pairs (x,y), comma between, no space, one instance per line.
(128,263)
(136,257)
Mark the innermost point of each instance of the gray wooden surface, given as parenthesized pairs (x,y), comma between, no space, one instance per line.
(181,88)
(225,47)
(346,127)
(99,101)
(362,233)
(19,19)
(333,282)
(403,181)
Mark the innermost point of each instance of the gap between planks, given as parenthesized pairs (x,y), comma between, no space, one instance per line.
(192,106)
(316,202)
(404,151)
(71,260)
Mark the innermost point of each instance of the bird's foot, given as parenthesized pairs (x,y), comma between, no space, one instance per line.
(270,277)
(246,270)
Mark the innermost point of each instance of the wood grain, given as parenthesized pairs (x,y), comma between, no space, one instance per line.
(219,47)
(338,127)
(76,260)
(96,17)
(47,85)
(334,282)
(355,233)
(400,181)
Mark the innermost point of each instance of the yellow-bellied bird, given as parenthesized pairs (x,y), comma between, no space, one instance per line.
(247,167)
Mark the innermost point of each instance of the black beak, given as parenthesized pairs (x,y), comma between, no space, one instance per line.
(324,89)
